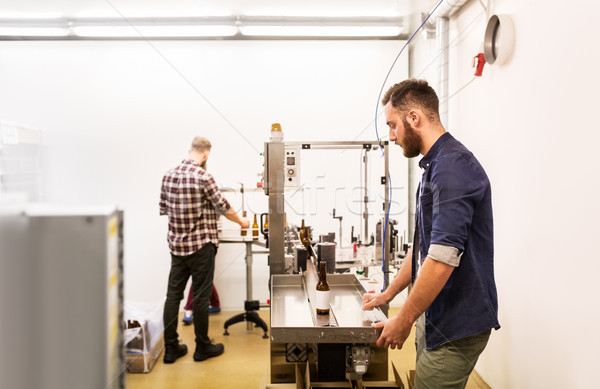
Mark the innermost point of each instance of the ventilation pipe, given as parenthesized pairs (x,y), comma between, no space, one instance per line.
(445,10)
(442,35)
(439,21)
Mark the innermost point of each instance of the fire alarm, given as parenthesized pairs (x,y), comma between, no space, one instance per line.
(498,42)
(478,63)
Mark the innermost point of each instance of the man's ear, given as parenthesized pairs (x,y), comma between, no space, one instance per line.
(414,117)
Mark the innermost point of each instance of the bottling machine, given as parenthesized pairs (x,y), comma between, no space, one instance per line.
(306,347)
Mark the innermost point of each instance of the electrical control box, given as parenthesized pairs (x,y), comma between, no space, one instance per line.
(291,166)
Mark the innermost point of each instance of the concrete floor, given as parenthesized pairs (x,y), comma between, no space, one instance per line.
(246,361)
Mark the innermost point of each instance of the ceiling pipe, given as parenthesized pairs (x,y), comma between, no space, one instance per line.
(442,43)
(439,22)
(445,10)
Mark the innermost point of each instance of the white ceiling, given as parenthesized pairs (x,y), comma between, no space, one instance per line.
(131,8)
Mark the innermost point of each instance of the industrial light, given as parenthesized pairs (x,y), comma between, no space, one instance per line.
(321,31)
(334,13)
(166,13)
(31,15)
(200,27)
(34,31)
(155,31)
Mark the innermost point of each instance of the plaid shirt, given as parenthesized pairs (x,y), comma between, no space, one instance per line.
(191,199)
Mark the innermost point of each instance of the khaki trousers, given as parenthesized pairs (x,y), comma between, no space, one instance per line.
(448,365)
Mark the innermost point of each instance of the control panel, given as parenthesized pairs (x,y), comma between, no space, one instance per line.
(291,166)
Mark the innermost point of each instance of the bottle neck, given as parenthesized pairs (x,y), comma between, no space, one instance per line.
(322,272)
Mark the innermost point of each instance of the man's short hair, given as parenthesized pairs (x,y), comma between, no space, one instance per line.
(412,92)
(201,144)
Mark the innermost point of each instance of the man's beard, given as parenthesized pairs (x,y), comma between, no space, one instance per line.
(411,141)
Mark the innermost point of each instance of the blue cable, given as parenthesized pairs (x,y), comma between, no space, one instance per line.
(377,133)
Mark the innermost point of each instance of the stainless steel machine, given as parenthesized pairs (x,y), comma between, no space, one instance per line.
(305,347)
(61,293)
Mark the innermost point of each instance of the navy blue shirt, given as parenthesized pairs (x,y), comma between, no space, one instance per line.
(454,208)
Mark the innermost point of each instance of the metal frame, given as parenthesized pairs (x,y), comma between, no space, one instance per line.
(274,186)
(291,294)
(249,316)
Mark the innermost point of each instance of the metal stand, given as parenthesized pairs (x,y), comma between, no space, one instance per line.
(250,306)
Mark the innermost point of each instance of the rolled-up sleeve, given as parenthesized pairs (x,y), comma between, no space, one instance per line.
(446,254)
(211,190)
(458,186)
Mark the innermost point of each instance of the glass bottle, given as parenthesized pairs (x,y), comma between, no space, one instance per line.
(255,228)
(302,227)
(323,291)
(305,239)
(244,231)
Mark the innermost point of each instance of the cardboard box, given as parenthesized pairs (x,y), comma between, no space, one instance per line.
(144,362)
(141,342)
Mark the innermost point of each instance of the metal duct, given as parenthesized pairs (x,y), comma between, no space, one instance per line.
(445,10)
(439,21)
(442,42)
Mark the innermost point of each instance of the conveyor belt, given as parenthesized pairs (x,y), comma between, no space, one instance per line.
(294,318)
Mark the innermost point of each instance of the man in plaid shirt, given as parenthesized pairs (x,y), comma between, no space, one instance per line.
(190,198)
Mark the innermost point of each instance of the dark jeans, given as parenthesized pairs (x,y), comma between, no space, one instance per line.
(201,266)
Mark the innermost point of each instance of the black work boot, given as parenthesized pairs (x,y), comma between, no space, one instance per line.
(174,352)
(204,352)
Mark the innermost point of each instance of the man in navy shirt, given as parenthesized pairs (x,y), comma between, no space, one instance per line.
(451,265)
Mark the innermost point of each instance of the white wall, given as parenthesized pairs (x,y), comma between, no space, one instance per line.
(532,124)
(116,116)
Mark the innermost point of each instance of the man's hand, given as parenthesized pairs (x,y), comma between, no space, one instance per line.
(395,331)
(372,300)
(234,217)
